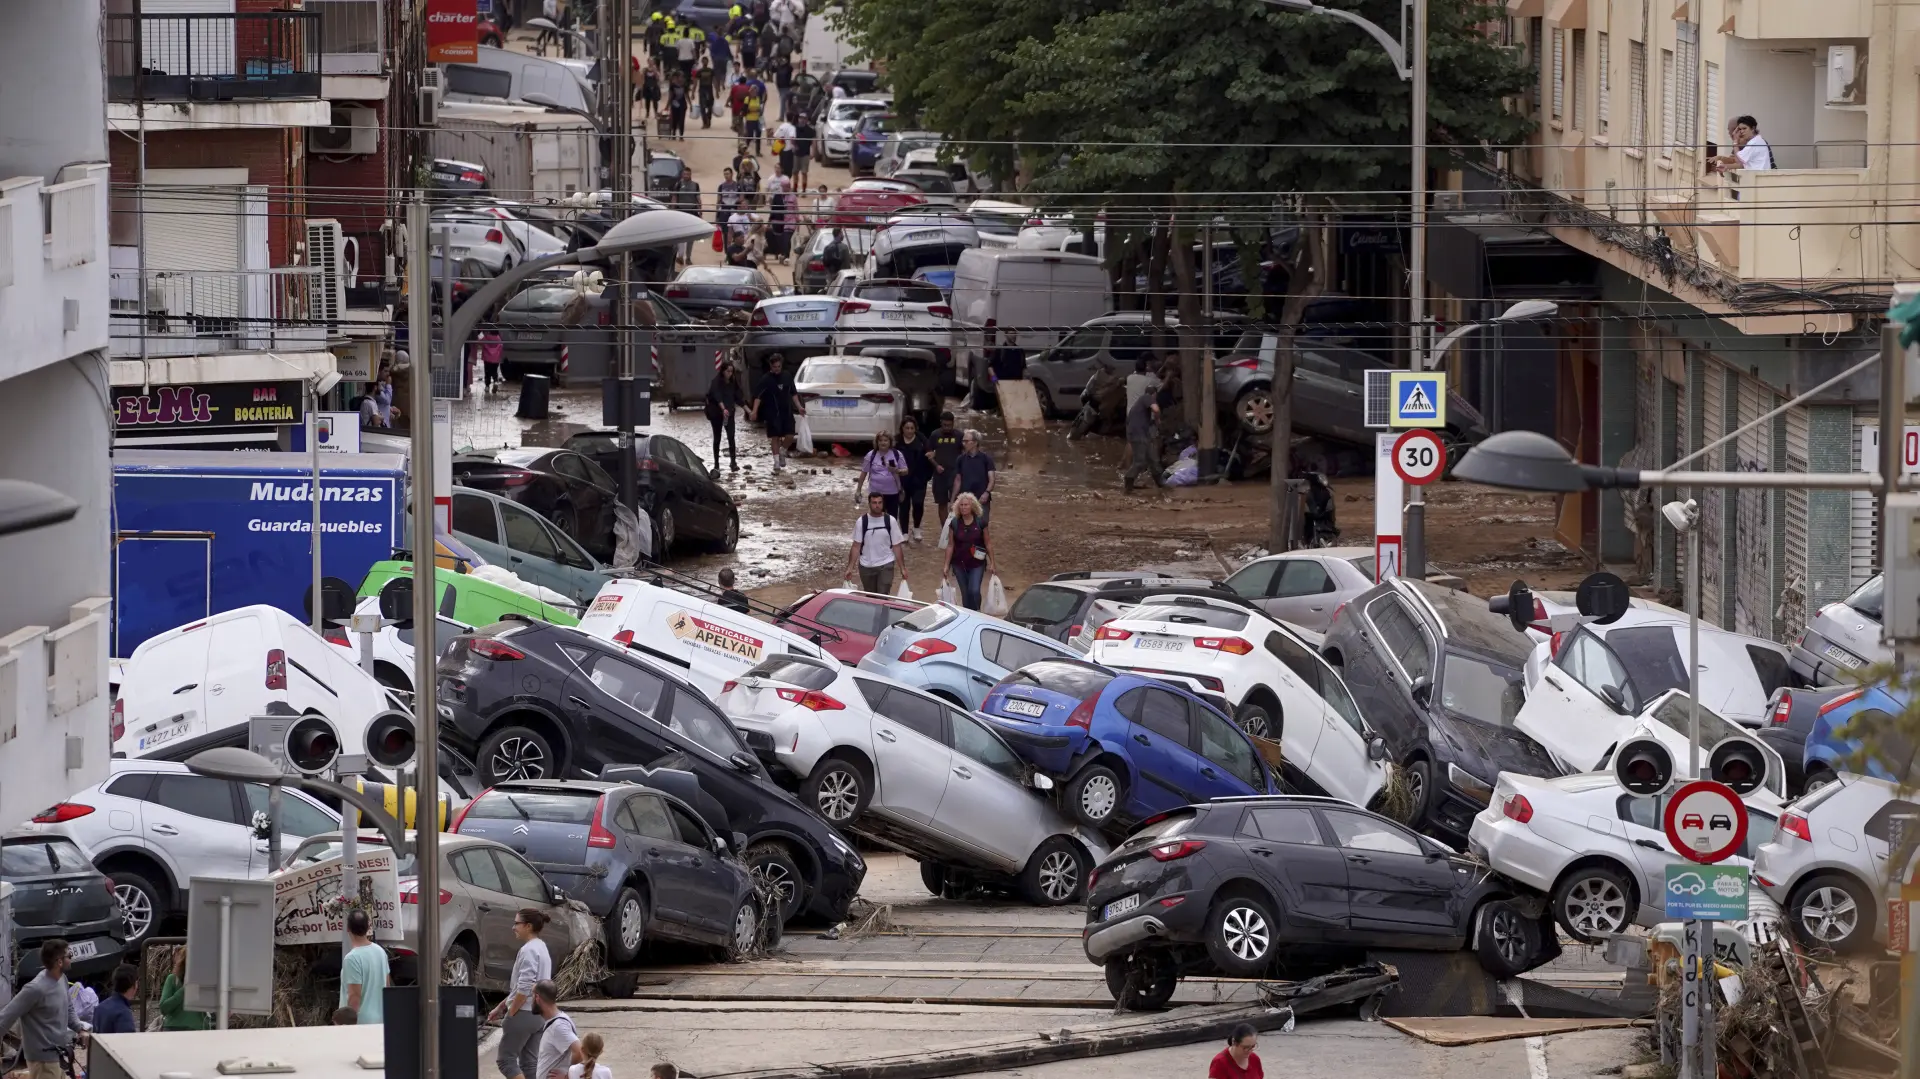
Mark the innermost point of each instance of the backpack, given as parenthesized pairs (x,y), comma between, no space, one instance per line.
(835,256)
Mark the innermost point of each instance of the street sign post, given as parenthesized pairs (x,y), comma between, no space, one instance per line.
(1705,821)
(1419,457)
(1417,399)
(1387,490)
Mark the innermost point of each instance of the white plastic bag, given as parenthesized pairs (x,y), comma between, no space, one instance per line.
(802,435)
(995,601)
(946,533)
(903,592)
(948,594)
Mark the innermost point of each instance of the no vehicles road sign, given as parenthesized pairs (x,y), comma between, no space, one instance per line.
(1706,821)
(1417,399)
(1419,457)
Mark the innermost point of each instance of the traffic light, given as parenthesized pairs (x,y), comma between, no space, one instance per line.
(1643,766)
(312,745)
(390,739)
(1739,762)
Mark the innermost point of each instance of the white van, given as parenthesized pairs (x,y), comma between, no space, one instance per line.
(1040,294)
(908,242)
(195,687)
(712,644)
(562,80)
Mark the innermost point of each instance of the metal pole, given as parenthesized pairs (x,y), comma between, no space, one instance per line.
(1413,553)
(1693,648)
(426,717)
(349,863)
(623,205)
(1893,424)
(313,451)
(1209,417)
(225,987)
(273,827)
(140,167)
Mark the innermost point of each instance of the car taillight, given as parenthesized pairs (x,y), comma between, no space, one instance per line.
(816,266)
(117,726)
(924,647)
(61,812)
(410,895)
(855,307)
(1795,825)
(811,699)
(1540,621)
(883,398)
(623,638)
(647,464)
(746,294)
(1093,875)
(516,479)
(597,834)
(1783,709)
(1108,633)
(1518,808)
(1074,630)
(335,635)
(677,292)
(495,236)
(807,398)
(276,669)
(1246,363)
(462,815)
(1239,646)
(729,686)
(1843,699)
(495,649)
(759,318)
(1179,848)
(939,310)
(1553,646)
(1082,716)
(113,892)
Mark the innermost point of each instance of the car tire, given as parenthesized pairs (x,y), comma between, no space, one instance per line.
(934,876)
(142,906)
(620,986)
(1419,791)
(1509,940)
(1817,778)
(665,531)
(1055,875)
(770,862)
(563,518)
(1831,911)
(1259,719)
(1094,796)
(626,927)
(1240,935)
(1593,900)
(743,932)
(457,966)
(1143,981)
(515,752)
(1253,410)
(1047,409)
(838,790)
(730,538)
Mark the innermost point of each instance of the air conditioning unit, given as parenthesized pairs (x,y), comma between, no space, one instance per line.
(328,249)
(353,129)
(1846,75)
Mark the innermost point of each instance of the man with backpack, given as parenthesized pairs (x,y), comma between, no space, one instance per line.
(876,548)
(837,255)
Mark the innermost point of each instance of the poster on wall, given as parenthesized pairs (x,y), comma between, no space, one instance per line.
(453,31)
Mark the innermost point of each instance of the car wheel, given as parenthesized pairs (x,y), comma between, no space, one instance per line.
(626,927)
(141,908)
(1258,719)
(515,753)
(730,539)
(1419,790)
(773,866)
(1254,410)
(1831,911)
(1818,778)
(1592,902)
(1143,981)
(620,986)
(665,531)
(456,967)
(1094,796)
(1047,409)
(391,678)
(1509,940)
(934,876)
(1240,932)
(744,936)
(838,790)
(564,519)
(1055,874)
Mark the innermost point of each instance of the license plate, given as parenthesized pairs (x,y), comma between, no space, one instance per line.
(1842,656)
(897,316)
(801,316)
(1025,708)
(162,736)
(838,402)
(1120,906)
(83,949)
(1159,644)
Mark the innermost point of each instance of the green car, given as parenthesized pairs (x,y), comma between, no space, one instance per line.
(467,598)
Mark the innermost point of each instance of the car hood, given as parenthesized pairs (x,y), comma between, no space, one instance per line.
(1485,751)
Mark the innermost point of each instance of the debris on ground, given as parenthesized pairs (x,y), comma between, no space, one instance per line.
(1452,1030)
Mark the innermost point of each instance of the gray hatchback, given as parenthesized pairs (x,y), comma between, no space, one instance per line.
(719,288)
(1841,638)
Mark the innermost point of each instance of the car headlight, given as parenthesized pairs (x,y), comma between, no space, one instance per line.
(1468,785)
(845,851)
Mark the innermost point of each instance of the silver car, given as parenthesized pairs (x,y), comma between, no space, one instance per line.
(485,885)
(843,115)
(1827,862)
(912,771)
(706,289)
(1841,638)
(794,326)
(1306,587)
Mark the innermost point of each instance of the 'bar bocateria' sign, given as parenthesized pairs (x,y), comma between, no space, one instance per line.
(213,404)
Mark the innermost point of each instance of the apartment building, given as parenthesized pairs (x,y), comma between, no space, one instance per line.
(55,415)
(1704,293)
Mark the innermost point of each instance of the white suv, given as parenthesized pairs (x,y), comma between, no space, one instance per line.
(1273,684)
(1826,862)
(892,313)
(153,826)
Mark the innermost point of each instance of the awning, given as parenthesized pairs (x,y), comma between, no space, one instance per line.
(222,367)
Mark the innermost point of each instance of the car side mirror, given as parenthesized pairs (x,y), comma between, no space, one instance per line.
(739,842)
(559,897)
(1041,782)
(719,845)
(743,762)
(1433,851)
(1376,749)
(1422,689)
(1612,696)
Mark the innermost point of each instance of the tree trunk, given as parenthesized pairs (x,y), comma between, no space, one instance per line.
(1192,327)
(1307,278)
(1157,300)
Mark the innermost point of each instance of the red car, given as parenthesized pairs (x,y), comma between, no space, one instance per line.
(858,617)
(1692,820)
(867,208)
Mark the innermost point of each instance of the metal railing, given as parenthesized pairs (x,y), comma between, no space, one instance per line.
(199,312)
(351,35)
(243,57)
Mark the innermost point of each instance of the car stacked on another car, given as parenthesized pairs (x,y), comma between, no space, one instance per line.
(956,654)
(1836,741)
(858,617)
(1826,863)
(843,116)
(1059,605)
(532,548)
(1842,637)
(1306,588)
(677,491)
(563,486)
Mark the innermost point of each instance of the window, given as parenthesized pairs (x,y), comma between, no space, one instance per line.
(1760,828)
(1130,347)
(1880,825)
(1050,604)
(697,720)
(39,857)
(1534,26)
(298,817)
(1576,113)
(1714,132)
(1639,810)
(691,833)
(1194,614)
(1559,73)
(444,630)
(1081,344)
(1637,96)
(1481,690)
(1222,743)
(649,818)
(1687,76)
(1770,666)
(1401,636)
(1652,654)
(1072,679)
(522,880)
(1012,652)
(473,516)
(920,714)
(1159,711)
(1255,580)
(1603,102)
(794,672)
(571,553)
(1356,831)
(1282,824)
(552,807)
(570,466)
(135,785)
(633,686)
(1303,577)
(527,533)
(855,615)
(1669,114)
(1592,664)
(974,740)
(475,867)
(196,796)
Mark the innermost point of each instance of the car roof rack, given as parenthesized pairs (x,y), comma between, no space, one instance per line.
(659,575)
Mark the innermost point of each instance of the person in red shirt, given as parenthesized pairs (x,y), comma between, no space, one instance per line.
(1238,1060)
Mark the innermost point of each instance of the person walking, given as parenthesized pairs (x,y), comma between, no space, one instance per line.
(750,119)
(650,92)
(591,1046)
(881,471)
(917,449)
(805,135)
(731,597)
(973,472)
(173,998)
(723,405)
(875,553)
(686,49)
(115,1014)
(559,1039)
(1238,1060)
(48,1027)
(677,107)
(704,78)
(776,405)
(519,1022)
(364,975)
(945,452)
(491,353)
(969,556)
(1142,436)
(737,104)
(783,135)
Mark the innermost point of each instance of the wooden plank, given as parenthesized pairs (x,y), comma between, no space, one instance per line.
(1454,1030)
(1020,405)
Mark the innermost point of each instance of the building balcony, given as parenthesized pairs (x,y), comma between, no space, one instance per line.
(1785,20)
(261,56)
(55,711)
(203,312)
(352,36)
(53,268)
(1785,225)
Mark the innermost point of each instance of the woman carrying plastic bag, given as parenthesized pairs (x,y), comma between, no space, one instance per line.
(995,603)
(969,555)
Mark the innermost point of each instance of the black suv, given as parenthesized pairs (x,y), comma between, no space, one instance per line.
(1235,884)
(529,699)
(57,892)
(1440,678)
(1058,605)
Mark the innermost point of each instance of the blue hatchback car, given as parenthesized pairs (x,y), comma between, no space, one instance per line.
(1830,753)
(956,653)
(1123,746)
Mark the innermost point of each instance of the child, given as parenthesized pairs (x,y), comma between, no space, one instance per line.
(591,1046)
(664,1070)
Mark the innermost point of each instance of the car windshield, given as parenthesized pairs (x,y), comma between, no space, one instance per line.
(1651,655)
(40,857)
(542,298)
(725,275)
(842,374)
(1474,687)
(319,850)
(1045,605)
(1171,826)
(1070,679)
(557,807)
(1181,614)
(898,293)
(997,223)
(1867,598)
(1364,564)
(794,672)
(932,616)
(853,110)
(1673,713)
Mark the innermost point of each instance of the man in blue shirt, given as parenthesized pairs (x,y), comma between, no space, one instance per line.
(364,975)
(115,1014)
(973,472)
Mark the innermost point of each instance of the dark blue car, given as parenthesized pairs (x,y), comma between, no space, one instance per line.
(867,140)
(1831,746)
(1123,746)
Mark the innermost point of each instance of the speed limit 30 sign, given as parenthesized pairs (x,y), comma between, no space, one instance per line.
(1419,457)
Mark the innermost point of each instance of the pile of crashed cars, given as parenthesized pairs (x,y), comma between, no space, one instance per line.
(1207,765)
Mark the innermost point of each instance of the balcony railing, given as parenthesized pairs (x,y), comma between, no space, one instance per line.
(1786,224)
(244,57)
(199,312)
(351,35)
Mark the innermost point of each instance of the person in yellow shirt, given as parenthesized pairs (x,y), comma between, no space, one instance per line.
(751,120)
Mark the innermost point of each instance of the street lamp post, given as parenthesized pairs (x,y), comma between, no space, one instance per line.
(317,387)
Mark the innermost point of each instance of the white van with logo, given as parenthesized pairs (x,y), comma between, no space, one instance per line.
(712,644)
(196,687)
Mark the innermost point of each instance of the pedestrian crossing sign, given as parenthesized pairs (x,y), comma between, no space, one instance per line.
(1418,399)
